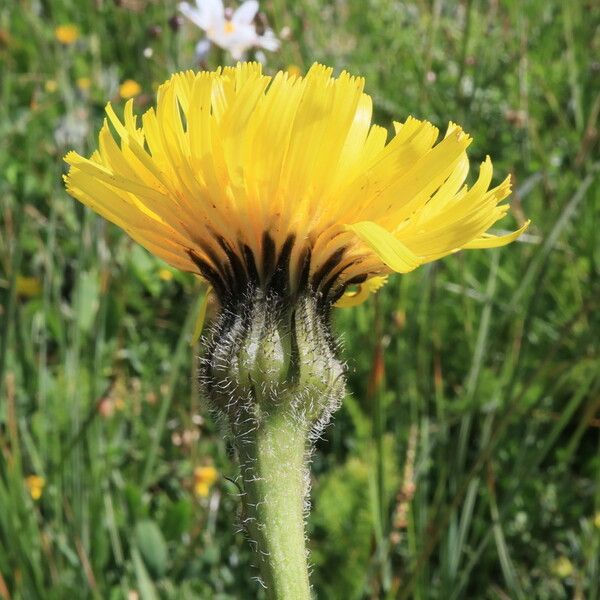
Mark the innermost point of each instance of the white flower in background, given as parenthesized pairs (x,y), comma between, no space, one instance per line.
(72,129)
(235,33)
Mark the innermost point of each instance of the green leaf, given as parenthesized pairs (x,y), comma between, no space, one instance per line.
(178,519)
(145,268)
(152,545)
(88,300)
(135,503)
(145,585)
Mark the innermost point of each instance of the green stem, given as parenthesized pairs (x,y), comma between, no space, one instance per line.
(270,370)
(273,463)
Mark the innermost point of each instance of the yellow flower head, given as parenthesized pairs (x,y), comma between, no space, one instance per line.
(35,484)
(293,70)
(84,83)
(283,182)
(165,274)
(67,34)
(204,479)
(28,287)
(50,86)
(562,567)
(129,88)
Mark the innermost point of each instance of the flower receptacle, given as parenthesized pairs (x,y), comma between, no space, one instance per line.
(270,355)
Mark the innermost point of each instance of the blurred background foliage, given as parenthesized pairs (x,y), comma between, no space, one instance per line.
(465,460)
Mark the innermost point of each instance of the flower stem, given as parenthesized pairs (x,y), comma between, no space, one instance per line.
(273,462)
(271,372)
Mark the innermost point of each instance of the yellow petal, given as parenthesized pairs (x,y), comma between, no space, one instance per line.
(390,250)
(201,489)
(364,290)
(199,324)
(495,241)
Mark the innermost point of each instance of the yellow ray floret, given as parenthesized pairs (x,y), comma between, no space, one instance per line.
(354,297)
(283,181)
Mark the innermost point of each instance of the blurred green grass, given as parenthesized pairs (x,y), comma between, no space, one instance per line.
(465,460)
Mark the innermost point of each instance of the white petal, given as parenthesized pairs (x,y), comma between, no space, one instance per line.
(245,13)
(268,41)
(242,37)
(196,16)
(202,49)
(237,52)
(215,9)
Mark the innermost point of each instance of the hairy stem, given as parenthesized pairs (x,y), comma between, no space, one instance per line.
(270,372)
(273,463)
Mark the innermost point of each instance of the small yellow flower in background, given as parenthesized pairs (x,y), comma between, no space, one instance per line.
(165,274)
(562,567)
(35,484)
(129,88)
(204,479)
(597,520)
(84,83)
(50,86)
(293,71)
(28,287)
(66,34)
